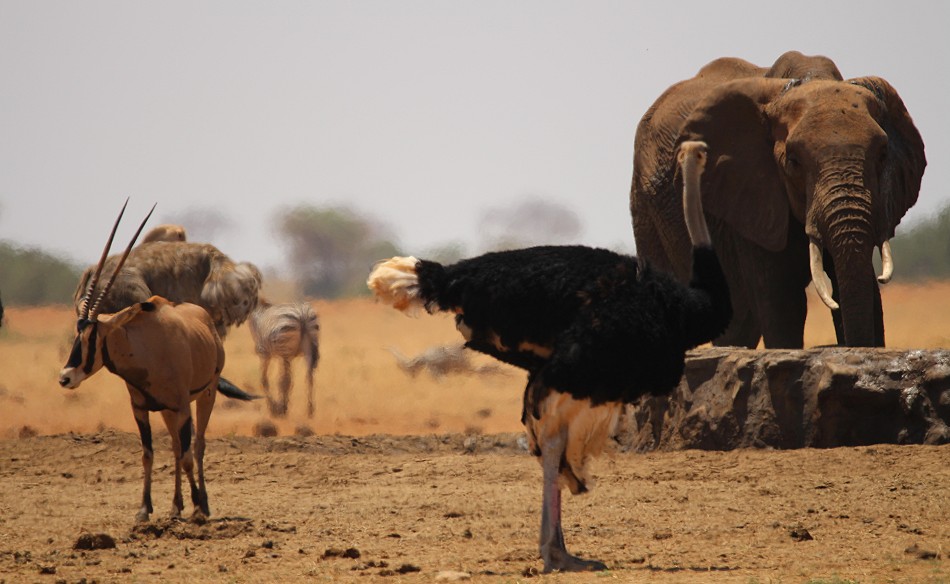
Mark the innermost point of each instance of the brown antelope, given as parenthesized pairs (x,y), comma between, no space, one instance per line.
(168,355)
(285,331)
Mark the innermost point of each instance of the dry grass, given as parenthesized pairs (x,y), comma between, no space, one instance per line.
(915,317)
(359,388)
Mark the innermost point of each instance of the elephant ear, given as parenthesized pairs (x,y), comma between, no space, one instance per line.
(742,184)
(905,160)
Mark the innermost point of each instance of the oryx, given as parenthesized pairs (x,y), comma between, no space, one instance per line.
(168,355)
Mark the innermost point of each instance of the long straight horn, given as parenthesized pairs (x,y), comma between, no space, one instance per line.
(84,313)
(118,268)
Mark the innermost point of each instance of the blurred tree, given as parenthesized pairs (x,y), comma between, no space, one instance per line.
(924,250)
(531,221)
(332,248)
(32,277)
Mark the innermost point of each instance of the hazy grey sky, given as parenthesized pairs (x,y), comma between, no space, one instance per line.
(422,114)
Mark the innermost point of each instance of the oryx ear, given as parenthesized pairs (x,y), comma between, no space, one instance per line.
(111,322)
(741,184)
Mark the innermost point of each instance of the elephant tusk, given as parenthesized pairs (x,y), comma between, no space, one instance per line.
(819,276)
(887,263)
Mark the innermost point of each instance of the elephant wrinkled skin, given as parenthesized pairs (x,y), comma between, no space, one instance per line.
(807,174)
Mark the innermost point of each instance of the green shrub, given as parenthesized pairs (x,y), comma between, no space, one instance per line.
(30,277)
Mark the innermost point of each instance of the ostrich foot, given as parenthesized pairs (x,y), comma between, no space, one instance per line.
(561,561)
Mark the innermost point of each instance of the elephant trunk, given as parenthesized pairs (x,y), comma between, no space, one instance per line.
(844,225)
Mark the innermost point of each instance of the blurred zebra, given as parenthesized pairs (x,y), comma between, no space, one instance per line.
(285,331)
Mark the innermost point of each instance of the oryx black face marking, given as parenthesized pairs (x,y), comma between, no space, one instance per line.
(91,350)
(76,355)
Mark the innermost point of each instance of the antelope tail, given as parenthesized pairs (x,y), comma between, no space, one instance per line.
(232,391)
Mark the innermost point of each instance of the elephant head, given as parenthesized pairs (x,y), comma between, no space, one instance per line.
(842,156)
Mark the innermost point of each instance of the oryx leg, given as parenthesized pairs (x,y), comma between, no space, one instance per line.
(199,495)
(148,457)
(179,425)
(286,381)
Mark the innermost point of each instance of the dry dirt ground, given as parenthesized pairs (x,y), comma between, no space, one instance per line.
(400,479)
(413,509)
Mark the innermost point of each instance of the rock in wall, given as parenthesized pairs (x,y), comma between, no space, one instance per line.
(733,398)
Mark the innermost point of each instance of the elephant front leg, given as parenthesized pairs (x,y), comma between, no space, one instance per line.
(148,457)
(778,281)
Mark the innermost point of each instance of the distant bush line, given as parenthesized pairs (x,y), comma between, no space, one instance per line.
(32,277)
(923,252)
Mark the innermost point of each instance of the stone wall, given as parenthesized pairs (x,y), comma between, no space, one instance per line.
(733,398)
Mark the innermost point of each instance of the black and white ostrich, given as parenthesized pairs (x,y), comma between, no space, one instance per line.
(593,328)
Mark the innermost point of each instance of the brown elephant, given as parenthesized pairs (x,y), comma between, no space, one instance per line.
(806,174)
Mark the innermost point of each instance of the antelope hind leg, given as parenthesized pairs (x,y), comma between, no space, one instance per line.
(199,496)
(148,457)
(179,426)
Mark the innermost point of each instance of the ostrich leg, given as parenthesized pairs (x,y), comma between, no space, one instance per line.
(553,551)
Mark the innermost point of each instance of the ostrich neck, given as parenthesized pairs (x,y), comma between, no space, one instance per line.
(692,206)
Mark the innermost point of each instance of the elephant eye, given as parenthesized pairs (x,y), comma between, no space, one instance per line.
(792,165)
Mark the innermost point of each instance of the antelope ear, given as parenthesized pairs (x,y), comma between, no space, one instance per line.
(119,319)
(905,161)
(741,184)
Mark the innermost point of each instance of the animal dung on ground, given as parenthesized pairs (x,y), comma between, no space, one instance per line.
(94,541)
